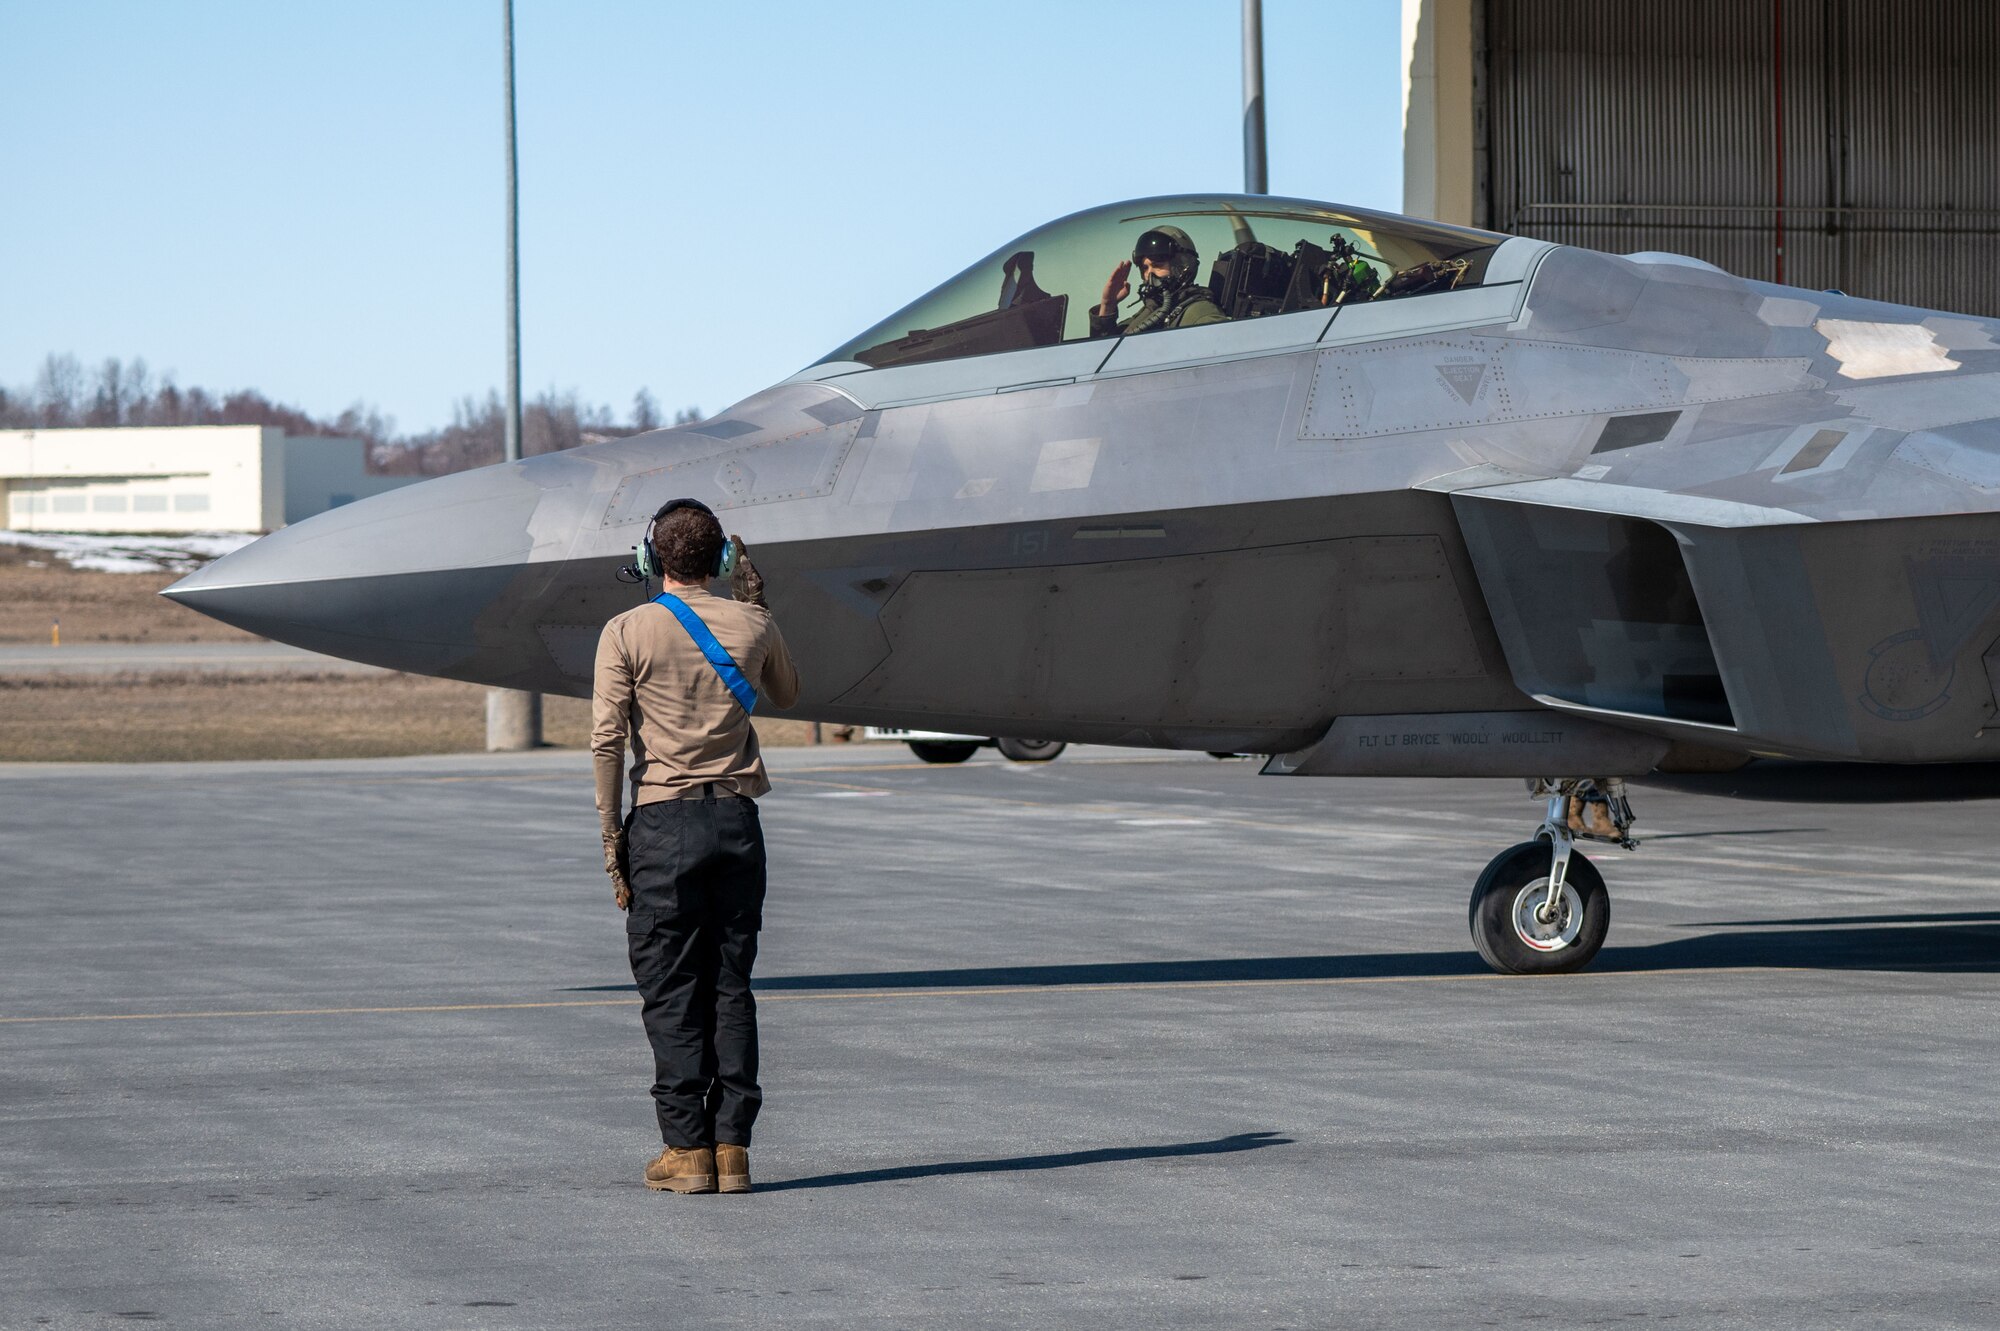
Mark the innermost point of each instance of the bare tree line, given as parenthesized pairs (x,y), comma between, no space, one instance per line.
(65,395)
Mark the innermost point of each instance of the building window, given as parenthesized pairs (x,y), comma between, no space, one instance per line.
(149,503)
(20,503)
(107,504)
(68,504)
(190,503)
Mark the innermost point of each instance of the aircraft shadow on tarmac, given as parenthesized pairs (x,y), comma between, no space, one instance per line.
(1786,781)
(1955,941)
(1942,941)
(1242,1141)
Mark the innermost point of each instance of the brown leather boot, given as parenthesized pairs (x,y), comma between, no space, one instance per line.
(732,1167)
(677,1170)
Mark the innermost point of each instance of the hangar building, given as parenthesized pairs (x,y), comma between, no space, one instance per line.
(1820,143)
(249,478)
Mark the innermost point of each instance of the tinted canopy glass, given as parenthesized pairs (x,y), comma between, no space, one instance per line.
(1258,256)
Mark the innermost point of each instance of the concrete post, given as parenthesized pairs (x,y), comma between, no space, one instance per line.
(513,720)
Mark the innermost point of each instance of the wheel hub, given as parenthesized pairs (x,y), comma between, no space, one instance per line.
(1547,931)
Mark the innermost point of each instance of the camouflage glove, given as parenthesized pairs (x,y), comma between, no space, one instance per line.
(746,583)
(616,864)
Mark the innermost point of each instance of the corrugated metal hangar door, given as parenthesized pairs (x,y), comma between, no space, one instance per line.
(1852,144)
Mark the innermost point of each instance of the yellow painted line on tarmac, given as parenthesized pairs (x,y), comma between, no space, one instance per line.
(838,996)
(316,1011)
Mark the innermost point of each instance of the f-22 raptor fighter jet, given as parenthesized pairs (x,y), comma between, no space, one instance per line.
(1370,495)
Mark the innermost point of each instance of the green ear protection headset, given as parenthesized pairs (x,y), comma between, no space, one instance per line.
(647,565)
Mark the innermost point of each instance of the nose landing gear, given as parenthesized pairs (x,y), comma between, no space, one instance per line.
(1539,908)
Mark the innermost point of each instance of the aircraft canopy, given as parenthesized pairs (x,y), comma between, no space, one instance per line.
(1258,256)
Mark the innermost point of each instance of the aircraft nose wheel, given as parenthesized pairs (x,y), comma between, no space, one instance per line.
(1520,931)
(1543,927)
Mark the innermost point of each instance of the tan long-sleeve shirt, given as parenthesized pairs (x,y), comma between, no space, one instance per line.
(655,690)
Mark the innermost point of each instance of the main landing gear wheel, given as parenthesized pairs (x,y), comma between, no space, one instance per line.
(942,751)
(1030,750)
(1516,927)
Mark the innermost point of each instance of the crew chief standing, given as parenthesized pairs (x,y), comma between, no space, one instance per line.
(688,866)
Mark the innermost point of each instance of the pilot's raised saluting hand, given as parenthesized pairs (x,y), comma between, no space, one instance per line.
(1116,288)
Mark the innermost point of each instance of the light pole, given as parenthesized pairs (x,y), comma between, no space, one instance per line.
(513,249)
(1255,177)
(513,718)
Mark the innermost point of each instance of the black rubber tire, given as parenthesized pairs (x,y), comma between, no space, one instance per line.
(1491,912)
(1030,750)
(943,751)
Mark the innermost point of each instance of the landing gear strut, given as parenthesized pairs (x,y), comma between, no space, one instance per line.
(1539,908)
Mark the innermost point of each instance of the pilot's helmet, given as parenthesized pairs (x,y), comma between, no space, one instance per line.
(1172,246)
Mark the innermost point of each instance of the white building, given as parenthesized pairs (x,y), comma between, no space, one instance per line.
(250,478)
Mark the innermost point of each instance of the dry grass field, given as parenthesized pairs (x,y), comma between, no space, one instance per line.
(190,715)
(94,607)
(185,716)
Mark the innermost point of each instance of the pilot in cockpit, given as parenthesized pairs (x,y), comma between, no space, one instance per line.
(1169,297)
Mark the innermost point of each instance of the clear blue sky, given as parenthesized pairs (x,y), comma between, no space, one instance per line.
(305,196)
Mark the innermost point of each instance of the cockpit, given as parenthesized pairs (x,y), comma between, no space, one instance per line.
(1259,257)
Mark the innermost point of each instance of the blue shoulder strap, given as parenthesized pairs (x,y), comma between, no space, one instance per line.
(714,652)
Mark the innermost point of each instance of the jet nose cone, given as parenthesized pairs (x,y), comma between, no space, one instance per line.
(399,579)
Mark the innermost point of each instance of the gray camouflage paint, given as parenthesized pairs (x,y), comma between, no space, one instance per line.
(1366,543)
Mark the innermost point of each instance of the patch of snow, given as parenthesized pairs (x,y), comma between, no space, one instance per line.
(131,554)
(113,564)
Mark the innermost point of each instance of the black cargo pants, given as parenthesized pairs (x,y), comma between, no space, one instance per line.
(697,875)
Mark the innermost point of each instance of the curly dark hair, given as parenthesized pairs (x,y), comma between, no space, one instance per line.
(688,542)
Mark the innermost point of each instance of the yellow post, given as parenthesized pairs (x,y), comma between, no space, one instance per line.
(55,633)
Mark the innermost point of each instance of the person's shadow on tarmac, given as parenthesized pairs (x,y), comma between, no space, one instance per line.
(1242,1141)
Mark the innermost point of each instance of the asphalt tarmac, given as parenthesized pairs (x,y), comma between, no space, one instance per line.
(1117,1041)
